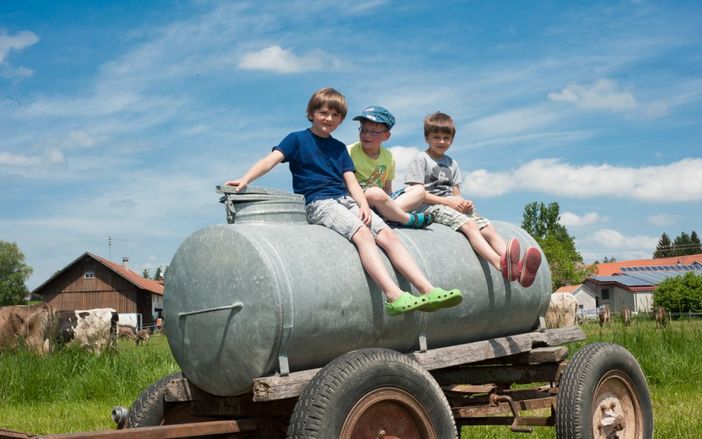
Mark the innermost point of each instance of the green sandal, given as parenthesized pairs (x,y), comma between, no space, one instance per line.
(405,303)
(439,298)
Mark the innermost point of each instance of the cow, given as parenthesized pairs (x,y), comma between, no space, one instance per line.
(93,329)
(26,324)
(660,316)
(562,311)
(603,315)
(126,331)
(626,316)
(142,336)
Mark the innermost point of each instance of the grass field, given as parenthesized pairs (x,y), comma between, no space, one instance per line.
(72,391)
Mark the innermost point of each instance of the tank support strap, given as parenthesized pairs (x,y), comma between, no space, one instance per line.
(283,366)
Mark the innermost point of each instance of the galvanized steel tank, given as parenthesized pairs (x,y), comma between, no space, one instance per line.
(269,292)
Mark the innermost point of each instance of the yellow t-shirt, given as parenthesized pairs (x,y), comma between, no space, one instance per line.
(372,172)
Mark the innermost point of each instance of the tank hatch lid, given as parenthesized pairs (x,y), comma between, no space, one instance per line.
(252,194)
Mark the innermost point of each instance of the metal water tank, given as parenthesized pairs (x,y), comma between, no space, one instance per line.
(269,292)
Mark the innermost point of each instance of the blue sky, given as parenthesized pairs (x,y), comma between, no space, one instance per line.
(119,118)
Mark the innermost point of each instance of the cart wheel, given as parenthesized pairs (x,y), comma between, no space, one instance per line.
(372,393)
(150,410)
(603,394)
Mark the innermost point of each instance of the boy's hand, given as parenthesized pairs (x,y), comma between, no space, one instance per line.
(240,184)
(365,214)
(466,206)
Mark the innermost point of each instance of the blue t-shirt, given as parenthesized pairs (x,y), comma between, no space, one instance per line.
(317,165)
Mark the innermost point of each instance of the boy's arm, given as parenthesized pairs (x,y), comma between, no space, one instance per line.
(358,196)
(260,168)
(455,201)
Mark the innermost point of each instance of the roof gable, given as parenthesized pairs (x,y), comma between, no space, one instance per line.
(149,285)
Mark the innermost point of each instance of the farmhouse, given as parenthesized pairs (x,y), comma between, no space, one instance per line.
(91,281)
(628,284)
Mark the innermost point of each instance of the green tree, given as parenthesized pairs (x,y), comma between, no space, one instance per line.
(696,245)
(159,274)
(664,247)
(145,274)
(13,274)
(680,293)
(541,221)
(681,245)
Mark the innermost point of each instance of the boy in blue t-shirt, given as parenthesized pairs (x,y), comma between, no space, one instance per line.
(323,172)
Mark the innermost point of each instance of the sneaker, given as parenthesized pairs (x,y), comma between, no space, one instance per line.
(419,220)
(529,266)
(510,261)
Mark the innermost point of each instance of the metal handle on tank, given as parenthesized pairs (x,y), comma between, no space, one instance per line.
(235,306)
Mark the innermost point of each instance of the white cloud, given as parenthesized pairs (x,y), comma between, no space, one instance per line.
(8,159)
(612,239)
(605,94)
(403,155)
(677,182)
(662,219)
(279,60)
(570,219)
(18,41)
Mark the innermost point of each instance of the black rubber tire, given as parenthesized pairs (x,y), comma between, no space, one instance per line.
(325,404)
(148,409)
(585,381)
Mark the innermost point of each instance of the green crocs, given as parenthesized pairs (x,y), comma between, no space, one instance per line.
(405,303)
(439,298)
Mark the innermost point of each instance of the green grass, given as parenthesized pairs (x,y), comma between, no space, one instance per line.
(74,391)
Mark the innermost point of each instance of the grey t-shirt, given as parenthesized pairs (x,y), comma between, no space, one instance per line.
(438,176)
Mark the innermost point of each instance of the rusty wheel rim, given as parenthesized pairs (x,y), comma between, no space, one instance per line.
(388,413)
(616,409)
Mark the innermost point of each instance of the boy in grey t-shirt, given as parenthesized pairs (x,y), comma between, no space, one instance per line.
(441,178)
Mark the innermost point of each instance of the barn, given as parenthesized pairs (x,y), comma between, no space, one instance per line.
(91,281)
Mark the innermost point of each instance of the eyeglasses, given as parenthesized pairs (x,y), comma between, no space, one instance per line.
(372,133)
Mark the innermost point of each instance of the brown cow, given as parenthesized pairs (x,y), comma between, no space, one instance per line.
(28,324)
(126,332)
(603,315)
(660,316)
(626,316)
(142,336)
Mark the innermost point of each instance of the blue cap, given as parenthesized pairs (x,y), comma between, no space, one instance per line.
(378,115)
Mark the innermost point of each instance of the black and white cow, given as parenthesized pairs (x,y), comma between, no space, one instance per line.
(92,329)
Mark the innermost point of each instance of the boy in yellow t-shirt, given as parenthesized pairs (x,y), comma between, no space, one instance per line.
(375,170)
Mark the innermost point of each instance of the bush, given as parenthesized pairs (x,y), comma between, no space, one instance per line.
(680,293)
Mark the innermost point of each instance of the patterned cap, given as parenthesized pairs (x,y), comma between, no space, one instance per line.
(378,115)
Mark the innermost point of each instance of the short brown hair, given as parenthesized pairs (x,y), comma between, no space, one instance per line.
(439,123)
(329,97)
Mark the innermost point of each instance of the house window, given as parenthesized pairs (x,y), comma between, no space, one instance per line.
(89,275)
(605,293)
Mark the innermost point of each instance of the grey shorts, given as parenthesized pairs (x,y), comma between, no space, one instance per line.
(453,218)
(341,215)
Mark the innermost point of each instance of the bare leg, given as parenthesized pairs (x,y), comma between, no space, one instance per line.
(403,260)
(496,242)
(387,207)
(412,197)
(480,245)
(373,263)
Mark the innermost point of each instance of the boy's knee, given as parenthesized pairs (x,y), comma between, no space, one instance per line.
(375,194)
(387,237)
(363,234)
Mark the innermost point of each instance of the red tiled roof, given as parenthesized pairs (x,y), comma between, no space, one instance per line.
(567,288)
(611,268)
(150,285)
